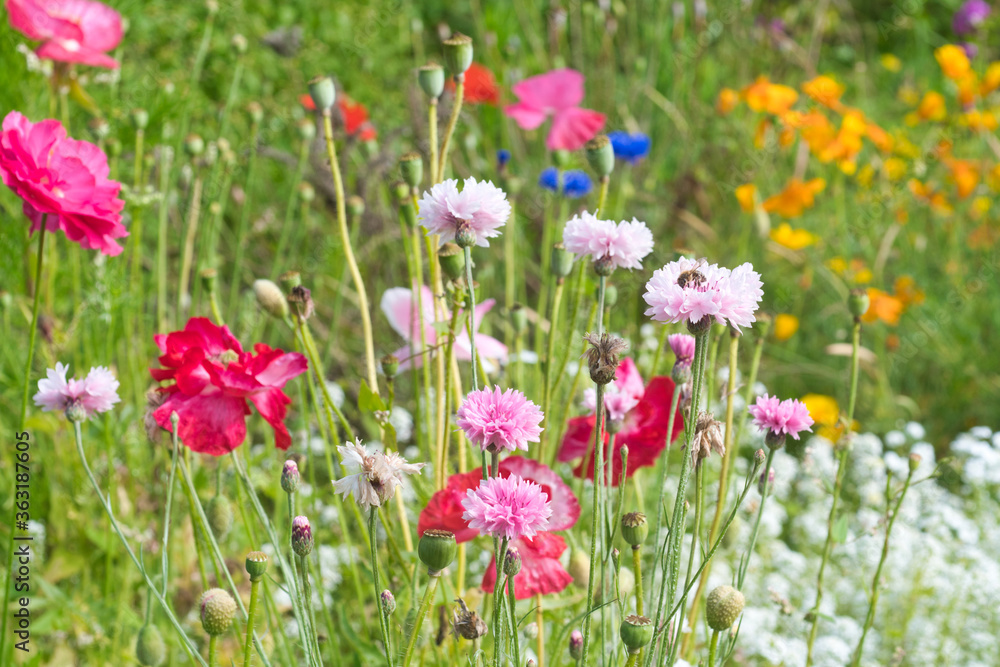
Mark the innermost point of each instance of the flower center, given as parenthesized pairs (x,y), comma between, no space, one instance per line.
(226,357)
(71,45)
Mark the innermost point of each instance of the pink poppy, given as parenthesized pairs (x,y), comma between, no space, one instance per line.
(643,429)
(213,378)
(71,31)
(400,307)
(62,180)
(541,571)
(558,94)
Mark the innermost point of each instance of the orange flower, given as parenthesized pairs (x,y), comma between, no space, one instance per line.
(991,80)
(795,198)
(953,61)
(847,143)
(883,306)
(964,174)
(929,195)
(727,101)
(746,196)
(762,95)
(879,137)
(824,90)
(931,107)
(785,326)
(761,133)
(906,291)
(793,239)
(480,86)
(979,121)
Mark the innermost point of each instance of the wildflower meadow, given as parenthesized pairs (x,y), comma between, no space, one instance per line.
(500,334)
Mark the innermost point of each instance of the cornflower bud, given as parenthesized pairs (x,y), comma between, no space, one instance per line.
(302,537)
(290,477)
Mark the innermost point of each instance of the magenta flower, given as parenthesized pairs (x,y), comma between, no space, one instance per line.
(507,507)
(689,290)
(93,394)
(781,418)
(480,207)
(970,16)
(63,181)
(494,421)
(682,346)
(622,244)
(558,94)
(400,307)
(71,31)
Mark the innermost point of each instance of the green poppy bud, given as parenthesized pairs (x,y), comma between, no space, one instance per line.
(218,608)
(724,606)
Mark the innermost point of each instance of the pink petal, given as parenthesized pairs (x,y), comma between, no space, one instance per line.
(525,115)
(552,91)
(213,425)
(572,128)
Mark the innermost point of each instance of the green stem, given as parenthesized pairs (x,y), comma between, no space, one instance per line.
(603,197)
(637,566)
(33,334)
(352,264)
(189,647)
(161,239)
(456,108)
(251,613)
(500,553)
(745,565)
(660,488)
(550,354)
(471,286)
(213,657)
(166,515)
(838,485)
(432,137)
(601,287)
(712,648)
(383,622)
(421,612)
(597,454)
(513,620)
(876,588)
(194,213)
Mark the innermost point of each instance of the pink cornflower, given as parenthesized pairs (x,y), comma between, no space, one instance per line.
(689,290)
(494,421)
(619,245)
(71,31)
(558,94)
(682,346)
(781,418)
(507,507)
(93,394)
(63,181)
(212,379)
(479,210)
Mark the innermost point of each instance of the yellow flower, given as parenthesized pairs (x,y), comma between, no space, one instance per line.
(979,121)
(862,275)
(837,264)
(891,62)
(785,326)
(824,90)
(795,198)
(993,178)
(865,176)
(895,168)
(980,207)
(793,239)
(848,166)
(727,101)
(746,196)
(825,411)
(991,80)
(953,61)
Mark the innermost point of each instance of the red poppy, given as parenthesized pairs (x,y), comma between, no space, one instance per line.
(354,115)
(480,86)
(213,378)
(541,572)
(644,427)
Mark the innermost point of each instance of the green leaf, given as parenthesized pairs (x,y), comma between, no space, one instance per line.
(368,400)
(840,530)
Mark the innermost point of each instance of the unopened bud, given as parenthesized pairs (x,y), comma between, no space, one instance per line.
(140,118)
(355,206)
(306,192)
(270,298)
(256,112)
(724,606)
(302,537)
(388,601)
(576,645)
(758,457)
(306,128)
(914,462)
(512,562)
(858,302)
(562,261)
(239,44)
(218,608)
(390,365)
(530,631)
(411,166)
(194,145)
(220,515)
(150,650)
(519,317)
(290,477)
(601,155)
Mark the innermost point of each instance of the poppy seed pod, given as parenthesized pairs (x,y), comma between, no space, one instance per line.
(437,549)
(390,365)
(724,606)
(601,155)
(431,80)
(562,261)
(218,608)
(140,118)
(458,54)
(322,92)
(256,565)
(452,259)
(411,166)
(635,528)
(858,302)
(636,632)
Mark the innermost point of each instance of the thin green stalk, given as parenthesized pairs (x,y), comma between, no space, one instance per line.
(603,197)
(383,622)
(712,648)
(838,485)
(166,515)
(511,600)
(456,108)
(213,657)
(598,450)
(550,354)
(194,213)
(876,588)
(500,553)
(745,564)
(186,642)
(664,466)
(352,264)
(251,614)
(235,279)
(432,133)
(161,239)
(421,612)
(32,335)
(471,286)
(306,591)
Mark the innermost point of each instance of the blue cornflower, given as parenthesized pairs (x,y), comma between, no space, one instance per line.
(503,157)
(629,147)
(571,184)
